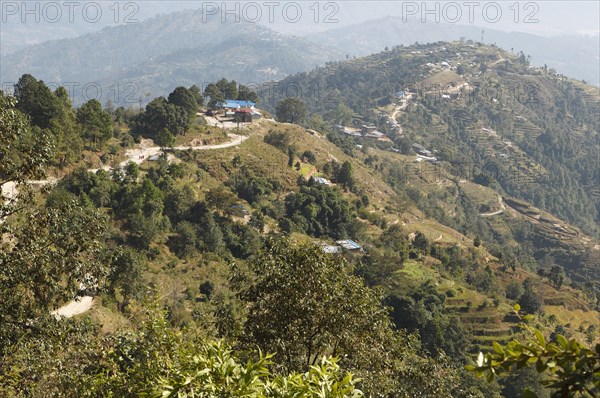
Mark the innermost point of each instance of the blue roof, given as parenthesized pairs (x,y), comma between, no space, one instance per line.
(236,104)
(349,244)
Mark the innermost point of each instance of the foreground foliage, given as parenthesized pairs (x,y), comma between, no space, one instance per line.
(571,369)
(214,372)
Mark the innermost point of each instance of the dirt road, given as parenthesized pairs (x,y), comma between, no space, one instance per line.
(137,155)
(75,307)
(494,213)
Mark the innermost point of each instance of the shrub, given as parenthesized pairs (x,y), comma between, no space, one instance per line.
(513,291)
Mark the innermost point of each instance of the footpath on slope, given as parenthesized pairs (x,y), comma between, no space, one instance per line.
(136,155)
(494,213)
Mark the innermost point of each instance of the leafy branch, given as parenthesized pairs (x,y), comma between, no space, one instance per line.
(572,369)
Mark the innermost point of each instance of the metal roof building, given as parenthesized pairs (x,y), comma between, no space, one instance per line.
(236,104)
(349,244)
(321,180)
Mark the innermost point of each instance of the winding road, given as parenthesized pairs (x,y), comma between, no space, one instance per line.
(136,155)
(397,109)
(143,152)
(494,213)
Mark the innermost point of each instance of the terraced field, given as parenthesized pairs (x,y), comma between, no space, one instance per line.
(525,130)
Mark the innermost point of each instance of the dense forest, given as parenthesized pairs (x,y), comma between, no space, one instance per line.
(227,271)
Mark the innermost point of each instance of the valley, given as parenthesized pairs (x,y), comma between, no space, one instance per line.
(394,228)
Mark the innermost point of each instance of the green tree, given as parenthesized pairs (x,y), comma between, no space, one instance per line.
(184,244)
(143,230)
(309,157)
(36,100)
(195,90)
(229,89)
(291,110)
(178,203)
(396,241)
(165,139)
(249,186)
(257,221)
(132,172)
(214,371)
(207,288)
(126,277)
(523,379)
(214,94)
(344,175)
(556,275)
(50,253)
(156,360)
(184,98)
(142,205)
(514,291)
(319,211)
(278,139)
(246,94)
(159,115)
(342,114)
(23,152)
(68,142)
(210,236)
(530,300)
(569,369)
(220,198)
(96,124)
(421,242)
(424,311)
(304,304)
(291,156)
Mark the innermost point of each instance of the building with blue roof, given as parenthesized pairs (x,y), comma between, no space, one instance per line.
(349,244)
(236,104)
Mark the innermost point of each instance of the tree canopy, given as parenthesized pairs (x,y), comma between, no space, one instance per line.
(291,110)
(95,122)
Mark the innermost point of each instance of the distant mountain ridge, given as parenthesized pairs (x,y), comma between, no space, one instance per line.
(160,53)
(574,56)
(128,63)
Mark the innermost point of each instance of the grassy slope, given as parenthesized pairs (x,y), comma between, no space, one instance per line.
(179,282)
(491,321)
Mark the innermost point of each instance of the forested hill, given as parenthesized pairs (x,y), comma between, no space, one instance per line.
(156,55)
(525,131)
(196,255)
(575,56)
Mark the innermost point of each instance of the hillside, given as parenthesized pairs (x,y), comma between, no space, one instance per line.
(483,319)
(497,121)
(192,251)
(159,53)
(575,56)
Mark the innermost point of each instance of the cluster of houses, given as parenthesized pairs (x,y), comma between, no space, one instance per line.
(507,144)
(240,111)
(424,154)
(366,131)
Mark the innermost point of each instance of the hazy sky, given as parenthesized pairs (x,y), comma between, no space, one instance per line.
(30,22)
(540,17)
(546,18)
